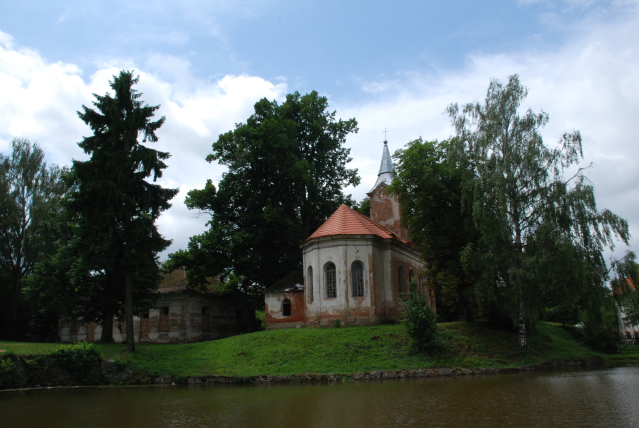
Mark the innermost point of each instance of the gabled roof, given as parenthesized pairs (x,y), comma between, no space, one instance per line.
(346,221)
(294,281)
(175,282)
(386,170)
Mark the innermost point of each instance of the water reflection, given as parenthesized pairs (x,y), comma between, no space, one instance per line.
(599,398)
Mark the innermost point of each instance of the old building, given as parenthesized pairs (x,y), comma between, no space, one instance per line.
(287,294)
(625,327)
(181,315)
(356,268)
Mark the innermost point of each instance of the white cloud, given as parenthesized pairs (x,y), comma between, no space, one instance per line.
(40,101)
(589,84)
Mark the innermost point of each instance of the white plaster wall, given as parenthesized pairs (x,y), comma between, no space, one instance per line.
(380,258)
(341,252)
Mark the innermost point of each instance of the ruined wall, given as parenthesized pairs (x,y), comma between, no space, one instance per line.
(273,310)
(385,210)
(178,318)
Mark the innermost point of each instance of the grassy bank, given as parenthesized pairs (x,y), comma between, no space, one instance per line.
(619,359)
(337,350)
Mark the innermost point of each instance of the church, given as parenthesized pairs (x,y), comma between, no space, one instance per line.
(355,269)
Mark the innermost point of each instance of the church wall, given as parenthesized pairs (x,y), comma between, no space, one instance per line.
(342,252)
(408,262)
(389,255)
(381,259)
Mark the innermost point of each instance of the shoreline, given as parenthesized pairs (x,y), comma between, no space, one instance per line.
(363,376)
(128,378)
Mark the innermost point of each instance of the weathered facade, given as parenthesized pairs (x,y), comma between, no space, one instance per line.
(181,315)
(356,268)
(284,302)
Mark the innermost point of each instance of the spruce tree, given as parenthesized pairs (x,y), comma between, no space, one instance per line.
(117,206)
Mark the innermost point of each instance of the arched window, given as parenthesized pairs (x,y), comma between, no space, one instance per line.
(411,278)
(286,308)
(309,280)
(331,280)
(357,275)
(400,277)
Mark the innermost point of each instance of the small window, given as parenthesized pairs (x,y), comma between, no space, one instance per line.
(206,311)
(400,278)
(411,278)
(145,314)
(286,308)
(331,281)
(164,310)
(357,276)
(309,280)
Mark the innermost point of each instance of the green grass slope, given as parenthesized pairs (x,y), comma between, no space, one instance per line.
(339,350)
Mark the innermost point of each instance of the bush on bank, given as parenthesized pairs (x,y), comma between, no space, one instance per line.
(78,364)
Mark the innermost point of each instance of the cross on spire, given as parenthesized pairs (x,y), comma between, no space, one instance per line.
(385,132)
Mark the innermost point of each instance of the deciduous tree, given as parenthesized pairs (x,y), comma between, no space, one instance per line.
(428,185)
(286,171)
(541,232)
(30,191)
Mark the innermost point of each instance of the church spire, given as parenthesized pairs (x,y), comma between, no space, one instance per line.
(386,171)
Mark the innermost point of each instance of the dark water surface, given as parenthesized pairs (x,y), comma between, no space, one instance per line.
(595,398)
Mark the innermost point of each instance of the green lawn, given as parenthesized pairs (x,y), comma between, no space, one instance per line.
(337,350)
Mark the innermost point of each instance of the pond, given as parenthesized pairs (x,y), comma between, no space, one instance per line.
(588,398)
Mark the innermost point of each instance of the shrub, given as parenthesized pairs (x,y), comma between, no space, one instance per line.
(82,361)
(420,322)
(260,320)
(11,373)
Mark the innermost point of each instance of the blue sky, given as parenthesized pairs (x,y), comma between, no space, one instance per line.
(393,65)
(312,44)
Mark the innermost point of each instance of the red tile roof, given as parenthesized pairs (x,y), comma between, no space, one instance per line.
(346,221)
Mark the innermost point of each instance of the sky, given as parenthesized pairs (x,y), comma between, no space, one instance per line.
(391,65)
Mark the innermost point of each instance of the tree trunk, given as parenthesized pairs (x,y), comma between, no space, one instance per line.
(128,313)
(306,226)
(468,313)
(522,324)
(11,318)
(107,325)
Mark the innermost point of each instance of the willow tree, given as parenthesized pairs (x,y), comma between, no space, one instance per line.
(115,204)
(541,233)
